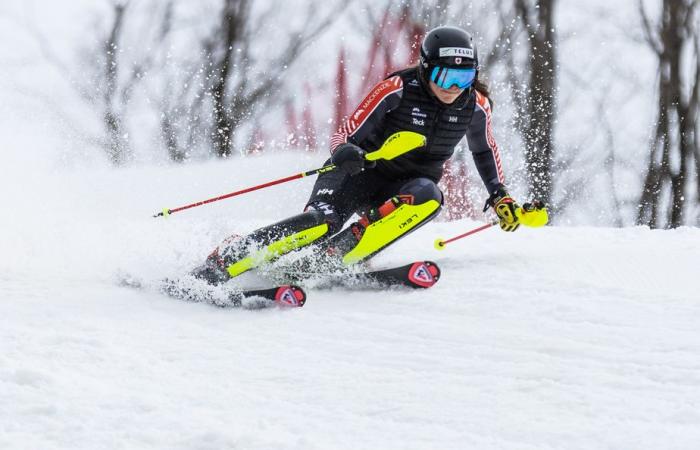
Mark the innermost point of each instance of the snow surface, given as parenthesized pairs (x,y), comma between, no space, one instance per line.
(555,338)
(559,338)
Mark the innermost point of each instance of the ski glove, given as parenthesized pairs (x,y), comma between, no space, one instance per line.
(505,208)
(351,159)
(534,214)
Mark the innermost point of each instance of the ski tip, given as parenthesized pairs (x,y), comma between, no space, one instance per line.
(290,295)
(439,244)
(424,274)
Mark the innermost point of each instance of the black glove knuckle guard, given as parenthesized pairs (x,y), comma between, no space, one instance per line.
(505,207)
(350,158)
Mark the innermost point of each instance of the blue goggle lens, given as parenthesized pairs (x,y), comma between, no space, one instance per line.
(446,77)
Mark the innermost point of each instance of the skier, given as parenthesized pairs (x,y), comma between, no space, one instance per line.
(443,99)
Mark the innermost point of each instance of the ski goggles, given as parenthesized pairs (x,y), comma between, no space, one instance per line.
(446,77)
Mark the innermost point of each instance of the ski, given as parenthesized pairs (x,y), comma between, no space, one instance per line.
(418,274)
(282,295)
(192,289)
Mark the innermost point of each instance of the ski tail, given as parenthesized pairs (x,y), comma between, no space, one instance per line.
(194,290)
(285,295)
(419,275)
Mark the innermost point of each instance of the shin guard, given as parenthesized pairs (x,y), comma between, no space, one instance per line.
(235,257)
(381,227)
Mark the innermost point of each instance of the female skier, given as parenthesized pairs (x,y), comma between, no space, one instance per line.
(443,99)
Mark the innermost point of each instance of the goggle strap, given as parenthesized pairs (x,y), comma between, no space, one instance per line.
(444,74)
(436,77)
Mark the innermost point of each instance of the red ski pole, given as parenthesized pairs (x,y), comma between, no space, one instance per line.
(397,144)
(166,212)
(441,243)
(532,214)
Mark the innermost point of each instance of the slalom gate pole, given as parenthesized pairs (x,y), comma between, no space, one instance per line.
(396,145)
(441,243)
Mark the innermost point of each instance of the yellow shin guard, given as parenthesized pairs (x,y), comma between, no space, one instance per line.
(390,228)
(276,249)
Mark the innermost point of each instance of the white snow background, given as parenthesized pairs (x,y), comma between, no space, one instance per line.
(554,338)
(566,337)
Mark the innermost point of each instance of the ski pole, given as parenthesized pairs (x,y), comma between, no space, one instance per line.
(396,145)
(441,243)
(530,214)
(166,212)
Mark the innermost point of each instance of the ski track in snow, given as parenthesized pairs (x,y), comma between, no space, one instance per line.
(555,338)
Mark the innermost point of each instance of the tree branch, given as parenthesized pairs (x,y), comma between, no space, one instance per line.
(650,36)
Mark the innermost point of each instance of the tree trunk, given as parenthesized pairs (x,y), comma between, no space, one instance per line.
(540,99)
(675,131)
(647,211)
(234,17)
(117,143)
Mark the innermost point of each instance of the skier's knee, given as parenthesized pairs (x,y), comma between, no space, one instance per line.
(420,190)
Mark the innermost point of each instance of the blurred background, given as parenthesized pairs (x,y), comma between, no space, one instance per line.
(595,103)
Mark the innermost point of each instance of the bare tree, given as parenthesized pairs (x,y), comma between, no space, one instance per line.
(693,118)
(175,103)
(234,89)
(610,163)
(106,78)
(109,75)
(535,95)
(117,142)
(674,39)
(101,86)
(205,95)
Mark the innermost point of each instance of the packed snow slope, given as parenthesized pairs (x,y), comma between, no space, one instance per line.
(553,338)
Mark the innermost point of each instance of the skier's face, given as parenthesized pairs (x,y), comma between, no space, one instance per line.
(446,96)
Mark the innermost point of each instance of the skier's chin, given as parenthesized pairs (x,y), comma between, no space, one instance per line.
(446,96)
(449,98)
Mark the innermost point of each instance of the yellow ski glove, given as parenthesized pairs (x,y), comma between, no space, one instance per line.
(505,208)
(511,215)
(533,214)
